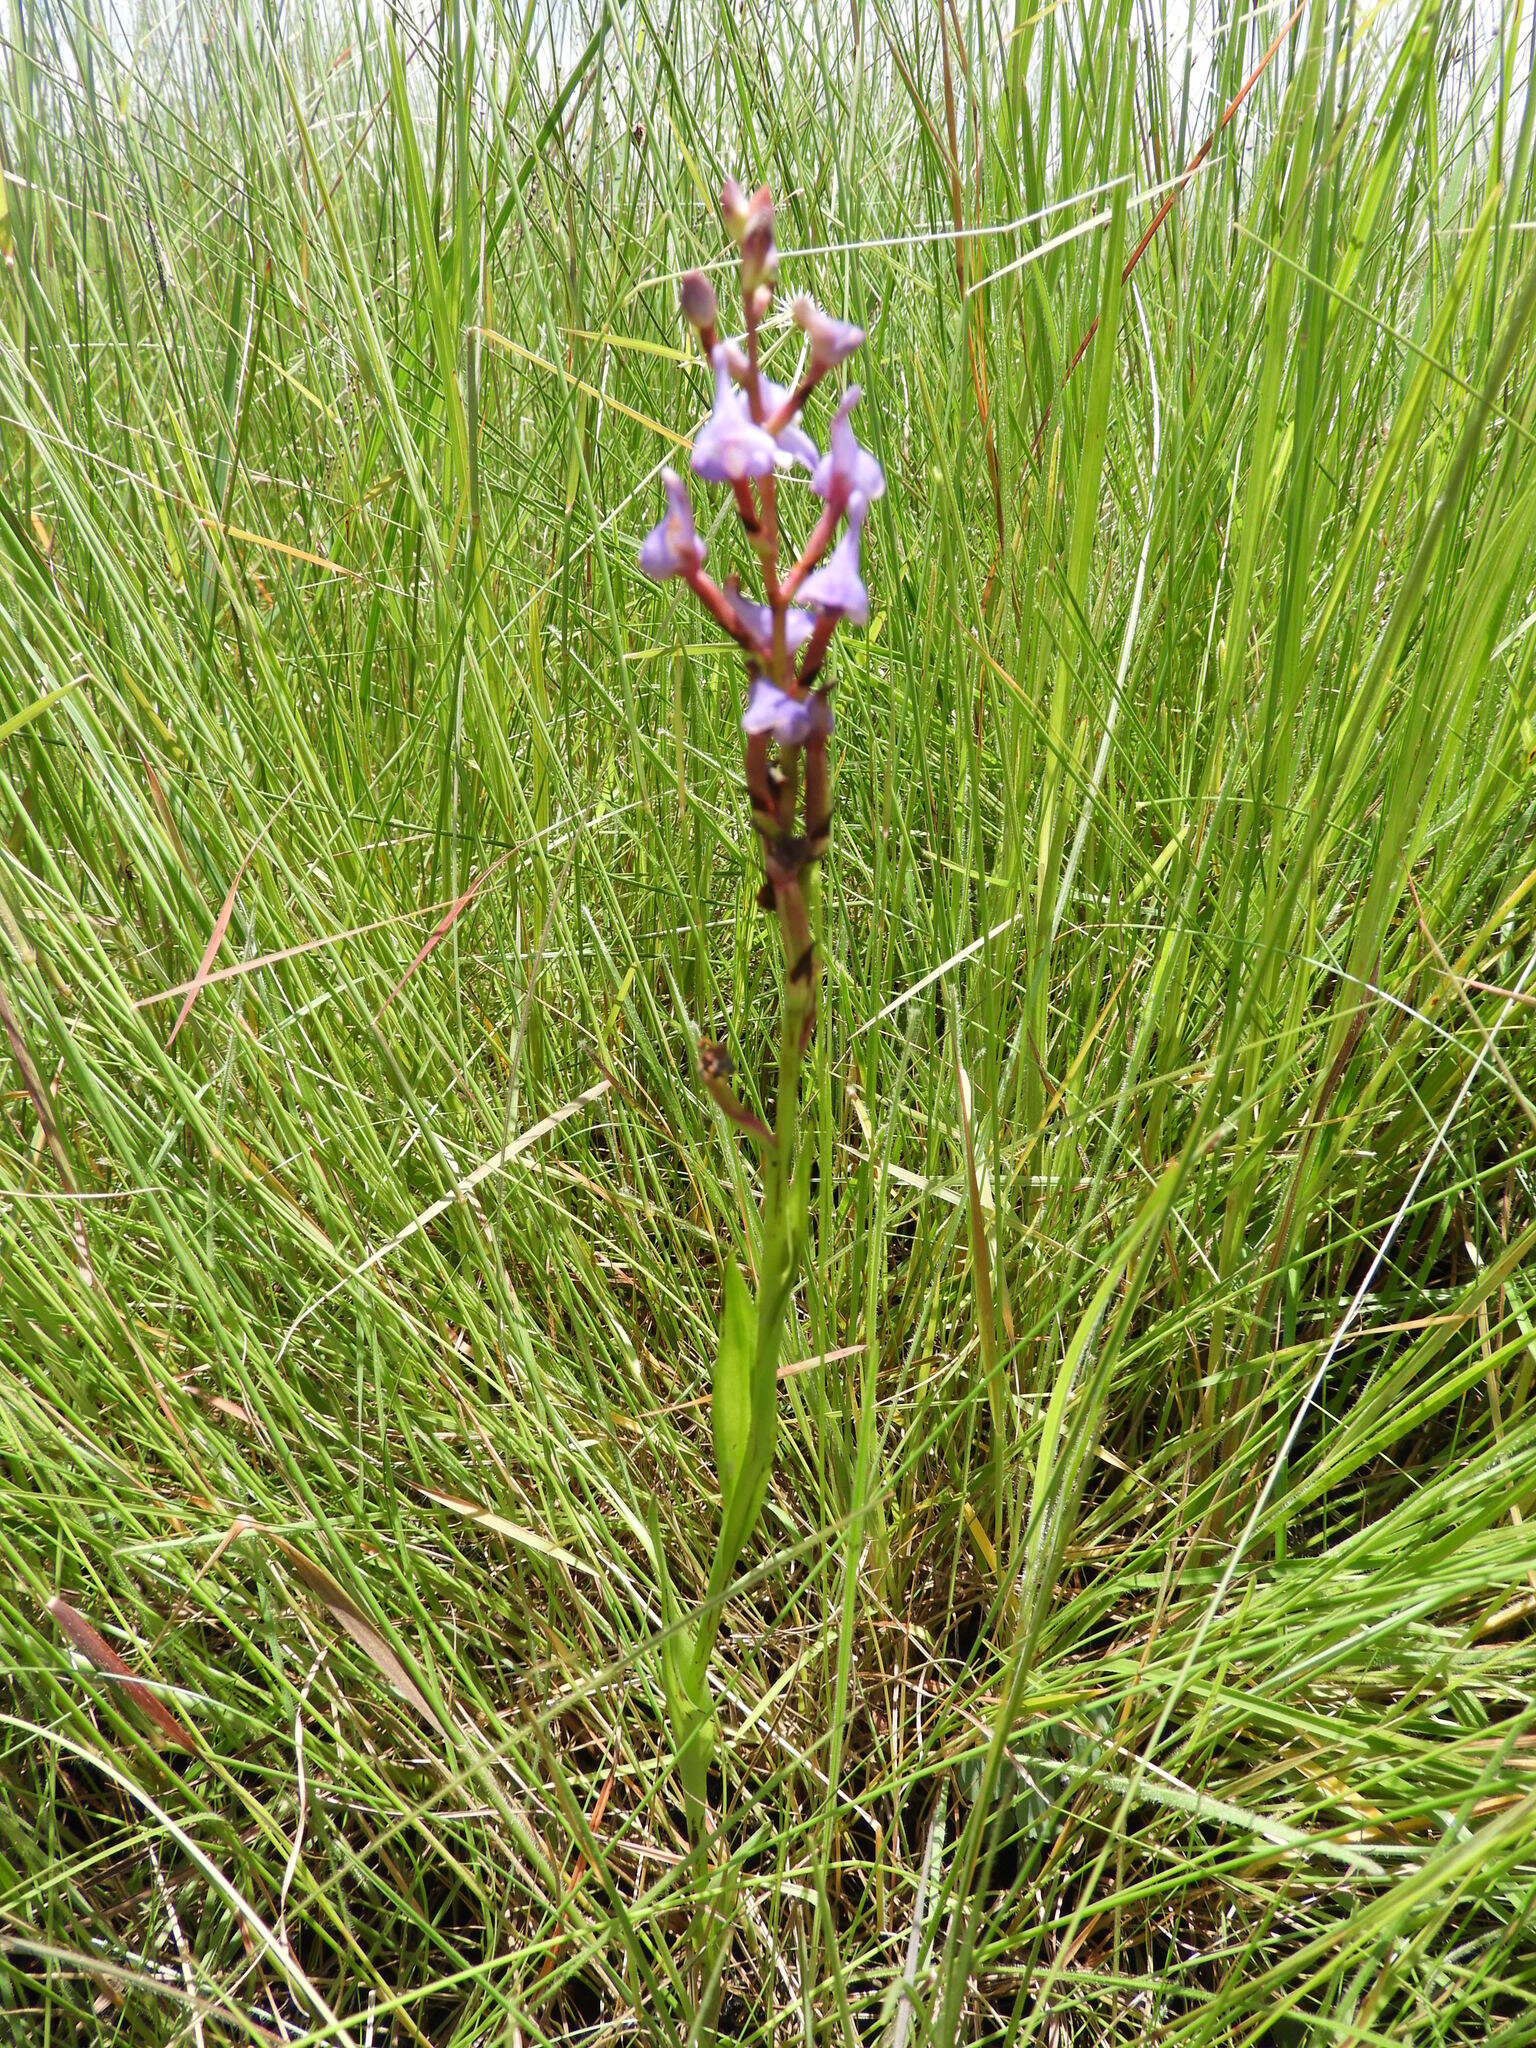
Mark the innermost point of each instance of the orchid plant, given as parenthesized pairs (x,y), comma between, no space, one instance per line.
(752,442)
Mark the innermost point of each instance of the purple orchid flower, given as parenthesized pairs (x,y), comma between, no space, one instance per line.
(792,438)
(730,446)
(789,720)
(832,341)
(847,467)
(758,620)
(672,547)
(837,585)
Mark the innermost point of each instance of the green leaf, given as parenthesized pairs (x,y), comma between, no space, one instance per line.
(732,1405)
(689,1709)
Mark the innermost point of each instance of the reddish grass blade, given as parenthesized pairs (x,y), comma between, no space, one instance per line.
(216,936)
(163,809)
(594,1822)
(238,968)
(32,1080)
(95,1648)
(1172,201)
(444,926)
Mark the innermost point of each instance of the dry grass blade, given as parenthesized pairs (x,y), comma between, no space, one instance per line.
(316,1580)
(511,1532)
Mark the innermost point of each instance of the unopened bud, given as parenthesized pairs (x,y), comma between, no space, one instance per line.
(733,209)
(697,296)
(759,253)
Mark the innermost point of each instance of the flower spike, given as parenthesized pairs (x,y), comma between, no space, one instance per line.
(809,590)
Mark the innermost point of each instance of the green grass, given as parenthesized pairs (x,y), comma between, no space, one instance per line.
(1138,1643)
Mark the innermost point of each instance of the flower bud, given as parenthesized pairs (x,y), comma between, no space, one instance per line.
(733,209)
(759,253)
(697,296)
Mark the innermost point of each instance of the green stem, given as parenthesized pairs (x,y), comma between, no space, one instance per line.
(786,1179)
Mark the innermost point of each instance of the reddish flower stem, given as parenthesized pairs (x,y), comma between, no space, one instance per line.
(815,548)
(715,602)
(816,650)
(794,402)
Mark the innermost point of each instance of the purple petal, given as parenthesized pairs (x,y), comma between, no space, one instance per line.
(789,720)
(832,341)
(847,467)
(837,586)
(730,446)
(672,548)
(797,444)
(758,620)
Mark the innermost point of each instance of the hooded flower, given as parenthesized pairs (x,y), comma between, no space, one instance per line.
(758,620)
(847,467)
(730,446)
(792,438)
(672,548)
(832,341)
(837,585)
(789,720)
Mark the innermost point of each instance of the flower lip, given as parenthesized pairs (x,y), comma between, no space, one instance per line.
(797,446)
(758,620)
(730,446)
(847,467)
(789,720)
(837,586)
(672,547)
(832,341)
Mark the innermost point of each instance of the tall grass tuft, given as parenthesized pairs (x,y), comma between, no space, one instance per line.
(1136,1642)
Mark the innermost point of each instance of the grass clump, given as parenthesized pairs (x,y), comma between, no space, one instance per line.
(1136,1639)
